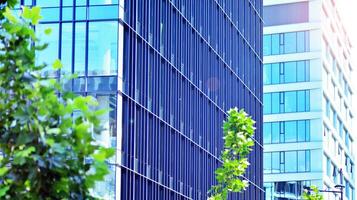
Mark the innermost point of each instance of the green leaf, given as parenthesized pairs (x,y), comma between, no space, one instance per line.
(26,12)
(21,155)
(48,31)
(35,15)
(9,16)
(103,154)
(3,171)
(3,190)
(57,64)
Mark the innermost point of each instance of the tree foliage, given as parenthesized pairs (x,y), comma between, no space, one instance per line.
(238,130)
(312,194)
(46,151)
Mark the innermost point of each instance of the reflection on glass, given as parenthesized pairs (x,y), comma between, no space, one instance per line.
(107,136)
(80,46)
(290,101)
(290,42)
(103,12)
(102,49)
(66,49)
(102,2)
(102,84)
(290,161)
(290,72)
(51,52)
(47,3)
(50,14)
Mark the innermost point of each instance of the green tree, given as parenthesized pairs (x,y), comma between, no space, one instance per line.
(46,151)
(238,130)
(312,194)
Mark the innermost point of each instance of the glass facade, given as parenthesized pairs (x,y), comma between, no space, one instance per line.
(168,71)
(287,72)
(287,102)
(286,43)
(307,127)
(287,131)
(284,190)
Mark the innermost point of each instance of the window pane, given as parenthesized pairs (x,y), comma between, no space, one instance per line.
(103,12)
(307,100)
(51,52)
(290,72)
(290,42)
(67,13)
(275,162)
(301,41)
(290,131)
(107,136)
(275,102)
(267,45)
(50,14)
(275,71)
(80,46)
(275,132)
(267,103)
(267,74)
(301,131)
(47,3)
(301,161)
(267,162)
(290,101)
(289,13)
(66,49)
(267,133)
(102,49)
(301,71)
(275,44)
(101,2)
(301,101)
(290,161)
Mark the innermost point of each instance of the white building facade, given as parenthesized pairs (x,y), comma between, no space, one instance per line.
(308,136)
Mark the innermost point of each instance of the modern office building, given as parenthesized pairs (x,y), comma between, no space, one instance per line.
(308,136)
(168,69)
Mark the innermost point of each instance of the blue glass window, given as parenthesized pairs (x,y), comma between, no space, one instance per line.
(48,3)
(51,52)
(301,161)
(275,44)
(102,48)
(301,95)
(267,103)
(267,74)
(290,72)
(81,13)
(301,131)
(50,14)
(66,48)
(267,162)
(275,71)
(102,2)
(275,166)
(290,161)
(301,41)
(67,13)
(290,131)
(290,42)
(275,103)
(290,101)
(275,132)
(267,45)
(103,12)
(80,46)
(267,133)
